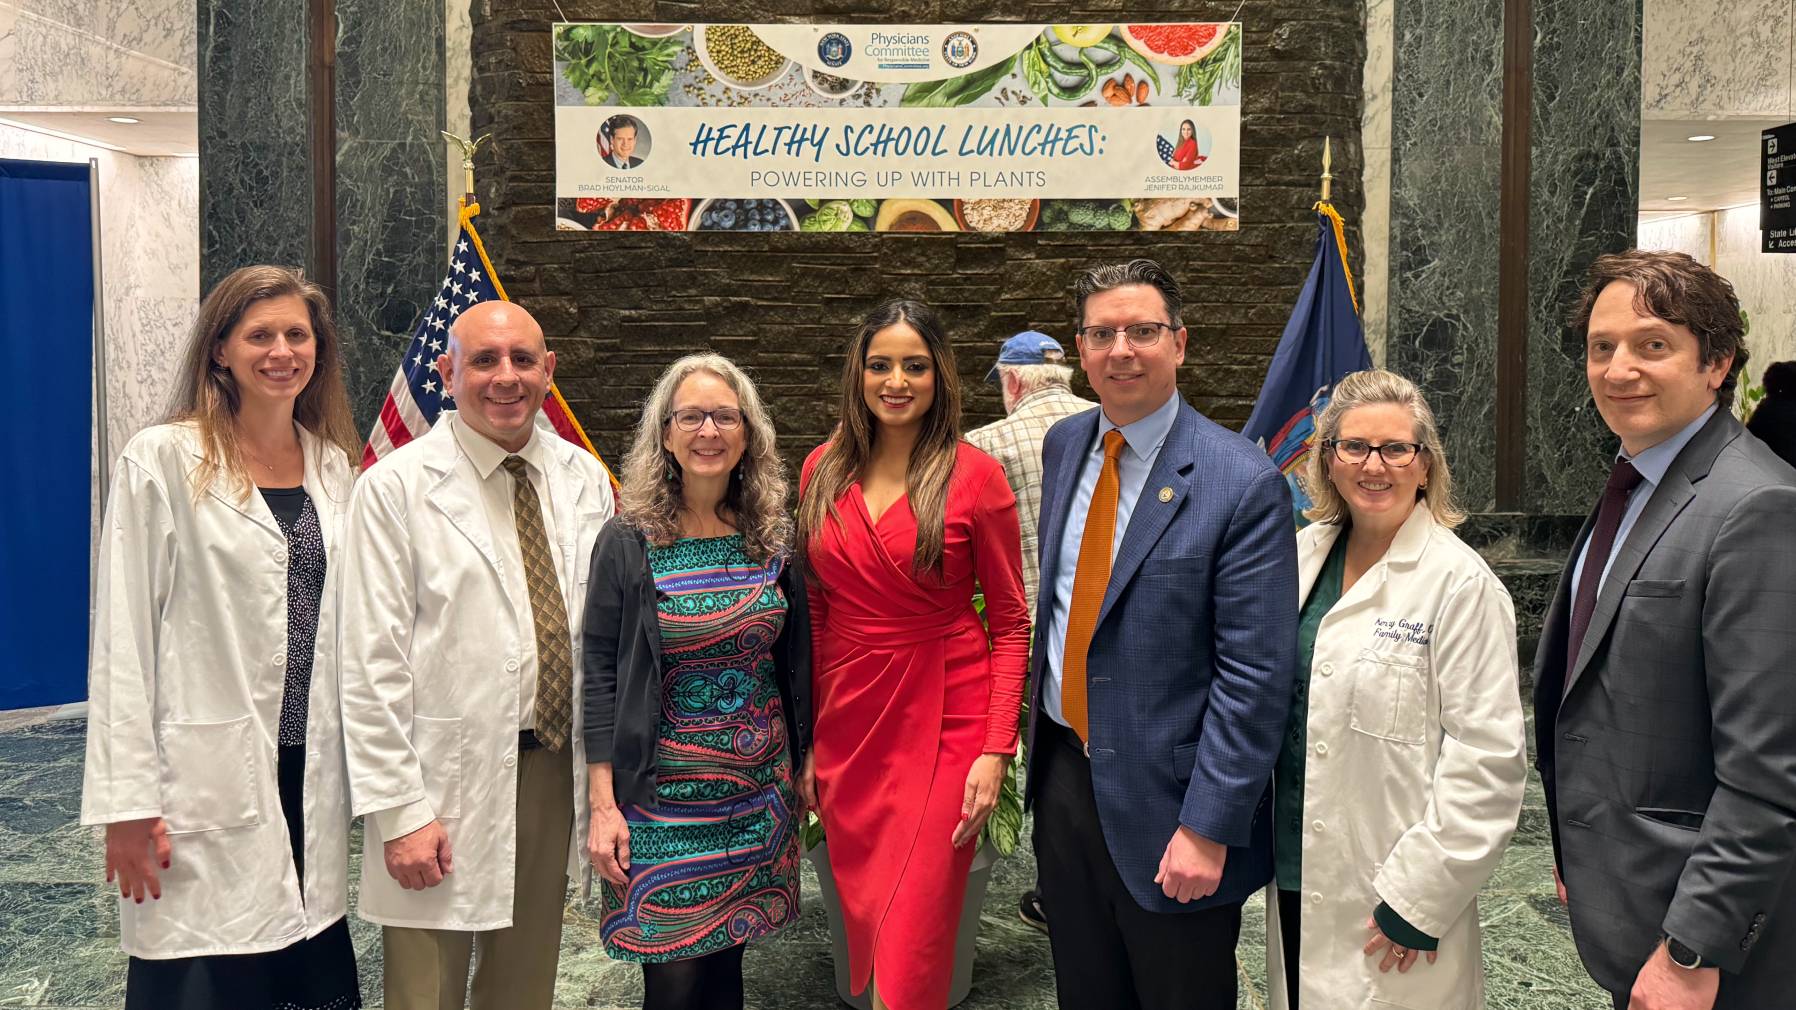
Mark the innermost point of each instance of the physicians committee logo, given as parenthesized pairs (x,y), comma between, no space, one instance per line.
(834,49)
(960,50)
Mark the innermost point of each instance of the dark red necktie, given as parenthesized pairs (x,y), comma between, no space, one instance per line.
(1622,480)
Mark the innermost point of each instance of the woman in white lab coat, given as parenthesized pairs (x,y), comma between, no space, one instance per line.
(214,752)
(1400,779)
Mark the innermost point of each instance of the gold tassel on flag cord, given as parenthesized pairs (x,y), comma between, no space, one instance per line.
(1324,207)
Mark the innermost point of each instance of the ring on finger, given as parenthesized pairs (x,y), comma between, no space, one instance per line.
(1401,953)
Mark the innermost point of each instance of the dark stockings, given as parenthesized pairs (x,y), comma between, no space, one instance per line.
(711,982)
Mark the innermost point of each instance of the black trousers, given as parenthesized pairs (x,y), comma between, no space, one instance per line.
(1290,933)
(1109,951)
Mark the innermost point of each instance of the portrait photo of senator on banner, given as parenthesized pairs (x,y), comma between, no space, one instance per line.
(623,142)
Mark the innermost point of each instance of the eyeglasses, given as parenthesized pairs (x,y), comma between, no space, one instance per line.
(692,418)
(1355,450)
(1141,335)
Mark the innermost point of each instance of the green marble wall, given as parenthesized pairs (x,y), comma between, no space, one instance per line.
(1446,134)
(256,175)
(1446,137)
(390,184)
(1583,200)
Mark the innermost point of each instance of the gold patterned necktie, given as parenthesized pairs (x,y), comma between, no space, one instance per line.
(554,649)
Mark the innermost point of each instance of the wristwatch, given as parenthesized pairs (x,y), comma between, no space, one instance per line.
(1683,956)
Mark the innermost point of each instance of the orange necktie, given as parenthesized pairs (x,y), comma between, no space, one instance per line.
(1090,581)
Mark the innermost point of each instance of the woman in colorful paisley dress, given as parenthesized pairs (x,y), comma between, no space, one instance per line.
(697,692)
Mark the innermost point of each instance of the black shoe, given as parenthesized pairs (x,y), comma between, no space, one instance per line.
(1029,910)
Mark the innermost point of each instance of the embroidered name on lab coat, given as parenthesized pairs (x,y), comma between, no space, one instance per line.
(1403,630)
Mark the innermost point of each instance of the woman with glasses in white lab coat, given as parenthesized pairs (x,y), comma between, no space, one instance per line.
(214,748)
(1400,779)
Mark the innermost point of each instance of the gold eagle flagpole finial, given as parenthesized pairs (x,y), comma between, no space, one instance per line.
(468,147)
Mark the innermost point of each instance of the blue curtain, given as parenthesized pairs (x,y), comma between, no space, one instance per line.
(46,332)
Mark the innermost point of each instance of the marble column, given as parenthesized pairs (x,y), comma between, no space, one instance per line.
(255,175)
(1375,141)
(1583,200)
(1445,137)
(390,183)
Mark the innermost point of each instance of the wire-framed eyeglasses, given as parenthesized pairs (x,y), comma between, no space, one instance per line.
(1141,336)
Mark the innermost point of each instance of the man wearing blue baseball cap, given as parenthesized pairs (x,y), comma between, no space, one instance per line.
(1037,385)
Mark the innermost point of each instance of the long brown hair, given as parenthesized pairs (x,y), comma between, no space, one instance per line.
(850,449)
(207,394)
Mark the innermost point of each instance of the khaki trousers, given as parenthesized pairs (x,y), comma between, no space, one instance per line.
(514,968)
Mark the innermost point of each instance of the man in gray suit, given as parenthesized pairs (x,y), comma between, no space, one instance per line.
(1665,684)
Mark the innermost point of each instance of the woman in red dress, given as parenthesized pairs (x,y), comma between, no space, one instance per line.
(916,707)
(1185,157)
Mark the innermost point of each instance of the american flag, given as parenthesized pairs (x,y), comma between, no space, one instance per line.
(417,397)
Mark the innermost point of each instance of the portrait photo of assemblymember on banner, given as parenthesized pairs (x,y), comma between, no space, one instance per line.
(901,128)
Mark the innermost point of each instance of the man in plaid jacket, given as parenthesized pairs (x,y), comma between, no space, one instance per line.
(1037,386)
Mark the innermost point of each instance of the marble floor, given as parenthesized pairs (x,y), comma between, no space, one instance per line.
(59,931)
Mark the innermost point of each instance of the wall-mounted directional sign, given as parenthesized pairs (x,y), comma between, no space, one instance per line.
(1777,192)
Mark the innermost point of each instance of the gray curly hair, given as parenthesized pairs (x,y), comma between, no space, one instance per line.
(756,499)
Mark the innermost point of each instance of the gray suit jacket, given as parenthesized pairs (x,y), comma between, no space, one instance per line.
(1670,762)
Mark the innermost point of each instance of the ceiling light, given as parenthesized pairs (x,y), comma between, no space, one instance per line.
(122,119)
(1677,199)
(1699,138)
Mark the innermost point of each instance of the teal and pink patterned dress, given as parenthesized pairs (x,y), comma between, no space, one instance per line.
(714,861)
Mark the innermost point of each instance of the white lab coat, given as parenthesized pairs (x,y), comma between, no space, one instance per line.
(188,663)
(431,644)
(1414,771)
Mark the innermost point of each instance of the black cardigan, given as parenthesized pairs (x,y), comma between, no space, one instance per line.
(621,652)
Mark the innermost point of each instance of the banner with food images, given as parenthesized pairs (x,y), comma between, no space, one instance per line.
(905,128)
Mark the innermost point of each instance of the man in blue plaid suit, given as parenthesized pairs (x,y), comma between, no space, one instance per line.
(1164,657)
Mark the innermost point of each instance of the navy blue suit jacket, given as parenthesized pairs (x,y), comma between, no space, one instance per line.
(1191,663)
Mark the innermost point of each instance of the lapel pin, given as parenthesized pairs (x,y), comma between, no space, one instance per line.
(1165,494)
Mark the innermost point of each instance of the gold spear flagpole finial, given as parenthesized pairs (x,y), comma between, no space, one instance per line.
(468,147)
(1327,176)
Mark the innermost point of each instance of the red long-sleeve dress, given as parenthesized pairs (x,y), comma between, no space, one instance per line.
(1185,158)
(909,691)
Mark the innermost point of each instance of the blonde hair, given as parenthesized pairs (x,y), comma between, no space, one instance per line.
(756,497)
(206,394)
(1369,388)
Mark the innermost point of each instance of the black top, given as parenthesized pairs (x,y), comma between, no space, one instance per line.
(622,666)
(292,508)
(285,502)
(1774,422)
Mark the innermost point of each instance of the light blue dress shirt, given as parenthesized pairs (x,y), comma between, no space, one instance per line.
(1652,464)
(1144,438)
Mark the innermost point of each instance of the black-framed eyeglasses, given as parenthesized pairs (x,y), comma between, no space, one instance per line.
(1141,336)
(1356,450)
(692,418)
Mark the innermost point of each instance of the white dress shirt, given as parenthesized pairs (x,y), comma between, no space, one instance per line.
(496,489)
